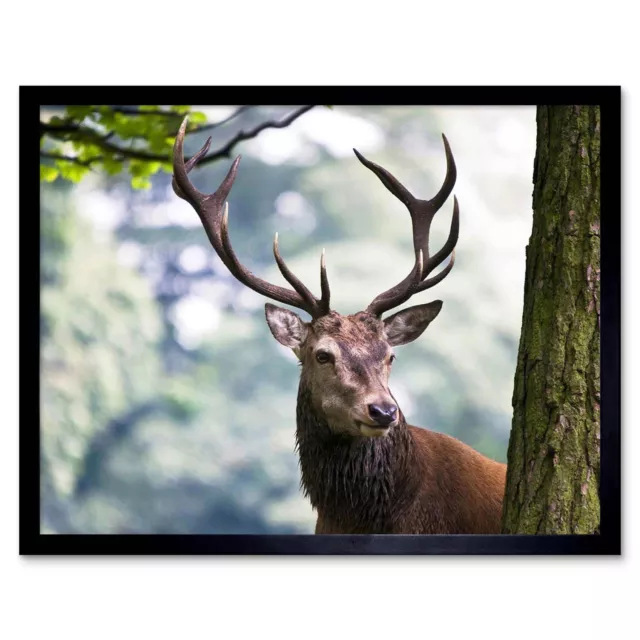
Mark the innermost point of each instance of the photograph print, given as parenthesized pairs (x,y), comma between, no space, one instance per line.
(325,328)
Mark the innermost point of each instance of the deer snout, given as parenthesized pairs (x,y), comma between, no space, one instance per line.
(383,413)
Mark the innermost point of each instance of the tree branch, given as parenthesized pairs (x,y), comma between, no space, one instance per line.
(88,135)
(46,127)
(241,136)
(84,134)
(154,112)
(215,125)
(174,114)
(74,159)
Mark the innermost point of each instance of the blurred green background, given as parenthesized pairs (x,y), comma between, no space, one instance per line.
(167,407)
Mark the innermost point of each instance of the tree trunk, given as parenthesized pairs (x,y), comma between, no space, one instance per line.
(553,471)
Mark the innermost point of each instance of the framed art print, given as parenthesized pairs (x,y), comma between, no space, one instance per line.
(341,328)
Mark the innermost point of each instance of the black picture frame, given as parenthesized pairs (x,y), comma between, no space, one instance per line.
(32,542)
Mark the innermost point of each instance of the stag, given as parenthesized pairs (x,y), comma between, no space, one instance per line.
(363,468)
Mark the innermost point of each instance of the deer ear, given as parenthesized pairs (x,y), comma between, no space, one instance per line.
(287,327)
(407,325)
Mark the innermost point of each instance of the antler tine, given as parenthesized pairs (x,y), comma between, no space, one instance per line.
(241,273)
(388,180)
(216,225)
(432,282)
(208,207)
(324,284)
(422,213)
(402,291)
(449,180)
(289,276)
(182,169)
(449,246)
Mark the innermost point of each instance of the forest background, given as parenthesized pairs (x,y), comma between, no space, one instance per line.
(168,407)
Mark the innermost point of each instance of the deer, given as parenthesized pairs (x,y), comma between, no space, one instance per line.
(364,469)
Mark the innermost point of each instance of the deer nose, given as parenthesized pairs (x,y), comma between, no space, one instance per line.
(383,414)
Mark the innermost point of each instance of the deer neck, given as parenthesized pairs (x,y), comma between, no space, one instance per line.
(358,483)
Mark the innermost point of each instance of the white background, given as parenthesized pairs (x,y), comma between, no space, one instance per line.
(330,42)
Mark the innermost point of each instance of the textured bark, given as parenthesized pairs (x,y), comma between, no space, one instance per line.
(553,471)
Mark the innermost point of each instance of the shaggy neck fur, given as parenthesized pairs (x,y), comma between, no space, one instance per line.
(358,483)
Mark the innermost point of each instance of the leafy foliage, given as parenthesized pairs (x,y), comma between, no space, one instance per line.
(92,368)
(112,139)
(138,139)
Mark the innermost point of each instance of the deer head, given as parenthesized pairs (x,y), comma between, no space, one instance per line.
(346,360)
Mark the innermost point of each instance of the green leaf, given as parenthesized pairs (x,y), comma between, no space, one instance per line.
(157,142)
(197,117)
(140,182)
(112,166)
(88,151)
(129,126)
(107,119)
(71,171)
(78,111)
(139,168)
(47,173)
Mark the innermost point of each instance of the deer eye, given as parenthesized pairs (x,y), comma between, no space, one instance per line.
(392,357)
(323,357)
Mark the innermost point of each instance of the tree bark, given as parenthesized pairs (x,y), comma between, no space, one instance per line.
(553,471)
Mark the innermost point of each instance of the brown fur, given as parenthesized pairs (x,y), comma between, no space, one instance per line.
(411,481)
(364,469)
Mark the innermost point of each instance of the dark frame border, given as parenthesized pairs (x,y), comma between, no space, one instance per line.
(31,542)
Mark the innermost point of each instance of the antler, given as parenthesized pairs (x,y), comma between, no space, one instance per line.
(422,212)
(215,222)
